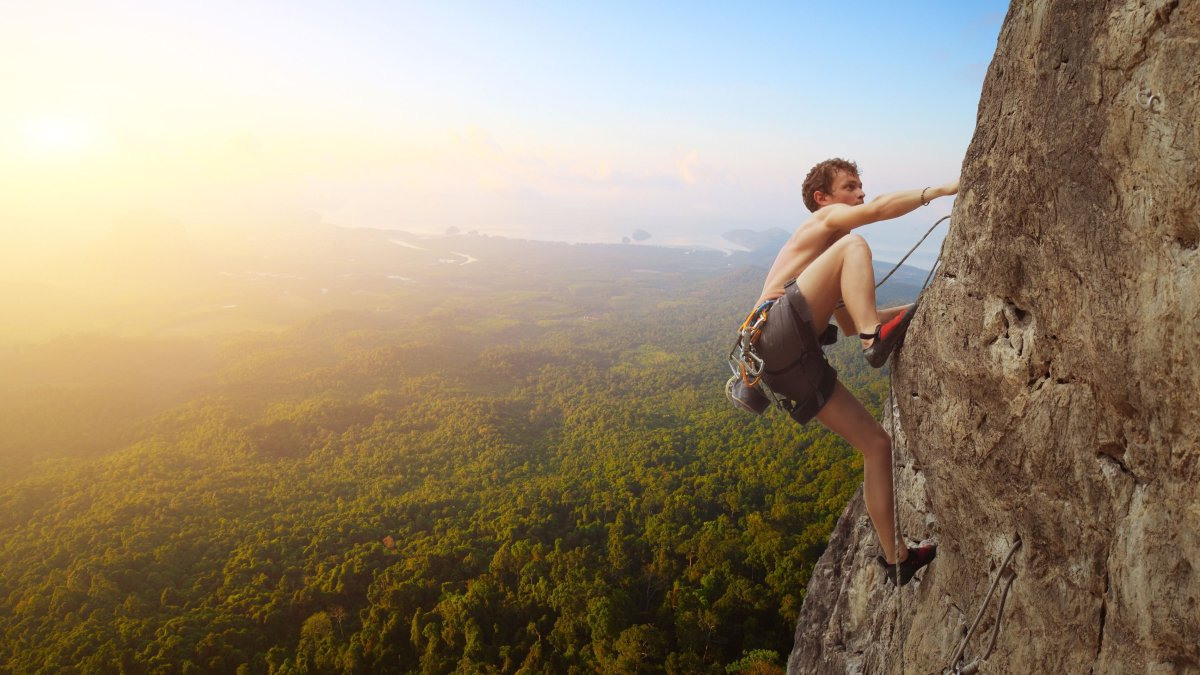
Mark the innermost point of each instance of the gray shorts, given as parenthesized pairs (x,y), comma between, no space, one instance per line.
(794,364)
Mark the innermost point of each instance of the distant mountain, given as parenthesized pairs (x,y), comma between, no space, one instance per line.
(906,274)
(902,287)
(755,240)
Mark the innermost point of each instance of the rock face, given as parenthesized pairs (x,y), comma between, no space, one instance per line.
(1049,388)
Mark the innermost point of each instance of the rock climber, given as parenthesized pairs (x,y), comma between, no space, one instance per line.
(824,270)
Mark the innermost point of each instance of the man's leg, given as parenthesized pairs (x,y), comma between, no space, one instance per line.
(846,417)
(842,272)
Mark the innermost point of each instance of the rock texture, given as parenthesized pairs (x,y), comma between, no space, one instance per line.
(1050,385)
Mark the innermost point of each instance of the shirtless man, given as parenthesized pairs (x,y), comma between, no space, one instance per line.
(831,265)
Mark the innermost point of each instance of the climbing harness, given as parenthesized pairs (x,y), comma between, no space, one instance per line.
(799,380)
(1007,573)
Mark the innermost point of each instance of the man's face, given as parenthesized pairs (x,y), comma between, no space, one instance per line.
(847,189)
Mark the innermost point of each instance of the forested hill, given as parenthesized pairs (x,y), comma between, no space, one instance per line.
(455,453)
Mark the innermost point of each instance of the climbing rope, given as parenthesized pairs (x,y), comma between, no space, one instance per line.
(973,666)
(895,267)
(1004,572)
(910,252)
(899,598)
(890,402)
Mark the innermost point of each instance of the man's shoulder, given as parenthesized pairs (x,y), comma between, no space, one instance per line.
(824,212)
(818,220)
(813,235)
(831,217)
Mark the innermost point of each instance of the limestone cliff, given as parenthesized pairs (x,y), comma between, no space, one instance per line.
(1050,385)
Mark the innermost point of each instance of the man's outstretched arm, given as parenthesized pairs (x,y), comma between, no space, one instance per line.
(883,207)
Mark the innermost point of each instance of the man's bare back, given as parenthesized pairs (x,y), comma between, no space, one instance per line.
(808,241)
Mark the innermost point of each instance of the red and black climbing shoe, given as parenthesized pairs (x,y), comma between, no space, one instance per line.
(887,337)
(903,573)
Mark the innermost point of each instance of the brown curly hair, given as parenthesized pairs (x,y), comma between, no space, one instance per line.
(821,178)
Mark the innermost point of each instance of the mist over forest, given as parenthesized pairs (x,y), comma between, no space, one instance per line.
(322,449)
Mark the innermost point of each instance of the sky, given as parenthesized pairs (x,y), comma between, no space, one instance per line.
(567,121)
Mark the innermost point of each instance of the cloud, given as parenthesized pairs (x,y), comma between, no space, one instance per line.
(687,167)
(477,142)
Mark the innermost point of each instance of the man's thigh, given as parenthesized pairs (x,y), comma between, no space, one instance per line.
(821,282)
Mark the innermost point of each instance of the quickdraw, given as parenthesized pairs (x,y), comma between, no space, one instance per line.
(746,388)
(742,358)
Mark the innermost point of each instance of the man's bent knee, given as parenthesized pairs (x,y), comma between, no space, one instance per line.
(856,243)
(877,445)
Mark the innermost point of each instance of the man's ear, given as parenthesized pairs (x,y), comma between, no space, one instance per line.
(820,198)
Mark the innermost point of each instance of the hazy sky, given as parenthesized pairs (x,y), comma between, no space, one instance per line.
(557,120)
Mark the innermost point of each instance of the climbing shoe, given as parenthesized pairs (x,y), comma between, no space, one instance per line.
(887,337)
(917,558)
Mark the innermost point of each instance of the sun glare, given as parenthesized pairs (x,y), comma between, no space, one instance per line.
(58,136)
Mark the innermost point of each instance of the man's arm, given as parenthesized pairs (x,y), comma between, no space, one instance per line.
(883,207)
